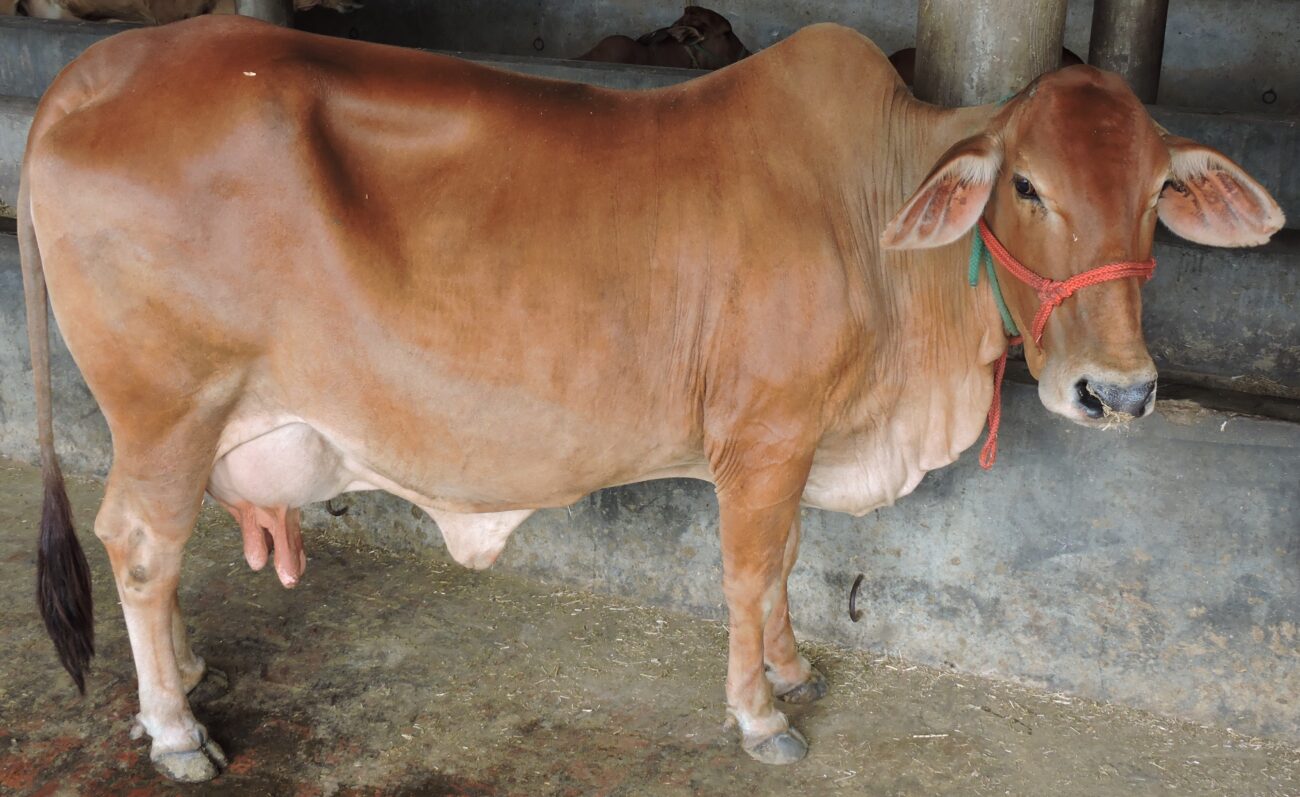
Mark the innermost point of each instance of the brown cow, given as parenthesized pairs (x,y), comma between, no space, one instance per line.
(699,39)
(290,266)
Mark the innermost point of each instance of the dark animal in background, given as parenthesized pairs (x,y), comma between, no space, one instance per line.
(905,62)
(145,12)
(700,39)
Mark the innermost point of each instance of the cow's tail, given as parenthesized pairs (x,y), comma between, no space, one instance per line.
(62,575)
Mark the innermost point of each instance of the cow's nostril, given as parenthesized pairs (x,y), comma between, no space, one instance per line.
(1097,397)
(1088,400)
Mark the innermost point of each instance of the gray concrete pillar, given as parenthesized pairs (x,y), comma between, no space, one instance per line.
(969,53)
(278,12)
(1128,37)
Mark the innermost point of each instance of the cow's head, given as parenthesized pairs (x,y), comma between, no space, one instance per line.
(710,31)
(1070,175)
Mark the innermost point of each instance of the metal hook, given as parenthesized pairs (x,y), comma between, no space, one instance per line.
(855,614)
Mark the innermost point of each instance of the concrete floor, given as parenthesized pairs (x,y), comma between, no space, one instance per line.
(384,674)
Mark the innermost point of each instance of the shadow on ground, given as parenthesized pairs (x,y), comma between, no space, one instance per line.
(396,675)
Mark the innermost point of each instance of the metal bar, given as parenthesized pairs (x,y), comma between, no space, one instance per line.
(969,53)
(277,12)
(1128,37)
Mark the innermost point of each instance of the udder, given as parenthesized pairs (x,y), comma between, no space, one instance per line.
(264,481)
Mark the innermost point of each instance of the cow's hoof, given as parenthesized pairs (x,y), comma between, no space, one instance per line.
(786,747)
(191,766)
(810,691)
(214,684)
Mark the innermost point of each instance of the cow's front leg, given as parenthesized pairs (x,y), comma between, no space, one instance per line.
(793,679)
(758,508)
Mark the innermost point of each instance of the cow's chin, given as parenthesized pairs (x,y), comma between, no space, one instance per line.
(1058,390)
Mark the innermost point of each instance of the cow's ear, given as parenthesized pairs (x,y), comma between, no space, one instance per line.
(950,200)
(685,34)
(1211,200)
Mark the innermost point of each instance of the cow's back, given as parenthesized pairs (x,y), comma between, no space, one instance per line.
(426,256)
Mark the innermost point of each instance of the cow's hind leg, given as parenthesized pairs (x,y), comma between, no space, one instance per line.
(793,679)
(201,681)
(144,523)
(758,508)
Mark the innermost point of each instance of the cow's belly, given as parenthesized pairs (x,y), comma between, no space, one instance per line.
(274,463)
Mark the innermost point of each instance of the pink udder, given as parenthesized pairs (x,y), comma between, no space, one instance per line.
(272,530)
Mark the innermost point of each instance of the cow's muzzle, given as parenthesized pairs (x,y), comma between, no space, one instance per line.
(1098,399)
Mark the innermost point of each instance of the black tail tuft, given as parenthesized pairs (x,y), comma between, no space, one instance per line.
(63,583)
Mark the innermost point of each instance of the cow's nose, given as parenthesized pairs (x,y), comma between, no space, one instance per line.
(1094,397)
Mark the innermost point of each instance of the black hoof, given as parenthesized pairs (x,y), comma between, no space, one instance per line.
(786,747)
(214,684)
(810,691)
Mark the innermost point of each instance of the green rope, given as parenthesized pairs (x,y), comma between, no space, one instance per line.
(979,253)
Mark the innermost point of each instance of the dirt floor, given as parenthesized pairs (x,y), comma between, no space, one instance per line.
(396,675)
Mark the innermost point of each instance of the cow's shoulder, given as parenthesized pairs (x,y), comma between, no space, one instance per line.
(826,57)
(831,42)
(824,35)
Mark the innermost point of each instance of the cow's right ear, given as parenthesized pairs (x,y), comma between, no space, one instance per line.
(950,200)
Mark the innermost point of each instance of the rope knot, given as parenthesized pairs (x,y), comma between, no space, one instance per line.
(1054,292)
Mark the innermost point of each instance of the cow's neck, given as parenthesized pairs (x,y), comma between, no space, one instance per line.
(931,339)
(949,323)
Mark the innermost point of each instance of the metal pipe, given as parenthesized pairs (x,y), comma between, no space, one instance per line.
(969,53)
(277,12)
(1128,37)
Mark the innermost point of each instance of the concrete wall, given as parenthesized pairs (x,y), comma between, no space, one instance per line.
(15,118)
(33,51)
(1227,313)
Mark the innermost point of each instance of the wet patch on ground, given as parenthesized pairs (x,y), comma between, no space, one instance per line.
(404,675)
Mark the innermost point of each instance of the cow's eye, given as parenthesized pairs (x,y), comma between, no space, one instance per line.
(1024,188)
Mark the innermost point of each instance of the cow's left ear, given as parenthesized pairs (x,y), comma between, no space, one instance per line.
(950,200)
(1211,200)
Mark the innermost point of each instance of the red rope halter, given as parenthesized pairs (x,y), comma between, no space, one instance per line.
(1050,295)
